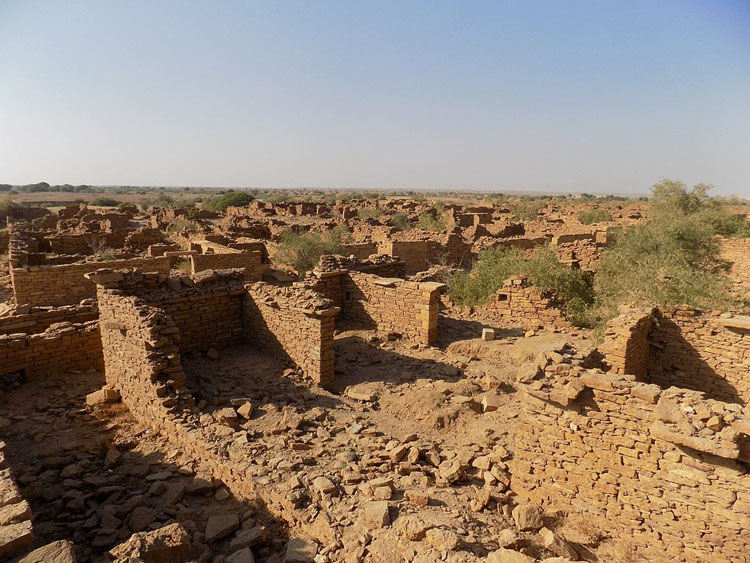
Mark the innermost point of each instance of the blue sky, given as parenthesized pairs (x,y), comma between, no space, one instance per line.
(558,95)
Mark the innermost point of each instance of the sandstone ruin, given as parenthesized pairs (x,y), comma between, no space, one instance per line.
(176,394)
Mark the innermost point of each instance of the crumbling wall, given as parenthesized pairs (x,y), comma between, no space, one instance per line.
(62,347)
(65,284)
(663,467)
(393,305)
(251,261)
(38,320)
(292,323)
(521,304)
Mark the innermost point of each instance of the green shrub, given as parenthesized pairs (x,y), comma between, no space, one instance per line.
(666,261)
(369,212)
(302,251)
(105,202)
(428,222)
(180,224)
(400,221)
(568,286)
(527,209)
(591,216)
(6,206)
(232,199)
(107,255)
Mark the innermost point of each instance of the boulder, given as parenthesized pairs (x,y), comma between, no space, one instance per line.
(220,526)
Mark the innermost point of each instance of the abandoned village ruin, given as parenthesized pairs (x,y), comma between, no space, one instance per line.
(176,394)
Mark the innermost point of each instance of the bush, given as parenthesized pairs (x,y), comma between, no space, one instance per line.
(229,199)
(105,202)
(527,209)
(107,255)
(568,286)
(184,266)
(428,222)
(180,224)
(400,221)
(369,212)
(666,261)
(591,216)
(302,251)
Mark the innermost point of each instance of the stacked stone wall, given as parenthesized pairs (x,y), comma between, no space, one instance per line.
(65,284)
(392,305)
(39,320)
(293,324)
(736,251)
(62,347)
(706,352)
(520,304)
(251,261)
(613,452)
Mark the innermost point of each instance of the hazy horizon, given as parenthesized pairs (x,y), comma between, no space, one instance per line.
(539,96)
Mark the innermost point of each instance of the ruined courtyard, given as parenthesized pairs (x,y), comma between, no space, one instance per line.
(171,390)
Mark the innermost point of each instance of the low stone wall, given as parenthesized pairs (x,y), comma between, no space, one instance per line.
(666,468)
(38,320)
(393,305)
(251,261)
(62,347)
(519,303)
(65,284)
(362,250)
(294,324)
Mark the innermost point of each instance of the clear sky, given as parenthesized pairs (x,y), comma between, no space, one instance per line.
(558,95)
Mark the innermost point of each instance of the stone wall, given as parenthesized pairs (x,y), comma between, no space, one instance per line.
(65,284)
(736,251)
(666,468)
(62,347)
(38,320)
(251,261)
(206,309)
(706,352)
(393,305)
(682,347)
(519,303)
(292,323)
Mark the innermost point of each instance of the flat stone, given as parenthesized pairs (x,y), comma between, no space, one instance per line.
(375,515)
(243,555)
(56,552)
(15,538)
(300,550)
(220,526)
(503,555)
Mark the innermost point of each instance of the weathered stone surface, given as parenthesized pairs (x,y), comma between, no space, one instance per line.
(375,515)
(169,544)
(15,538)
(300,550)
(527,516)
(503,555)
(56,552)
(220,526)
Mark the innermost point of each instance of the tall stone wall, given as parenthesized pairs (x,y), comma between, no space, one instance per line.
(294,324)
(393,305)
(666,468)
(62,347)
(65,284)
